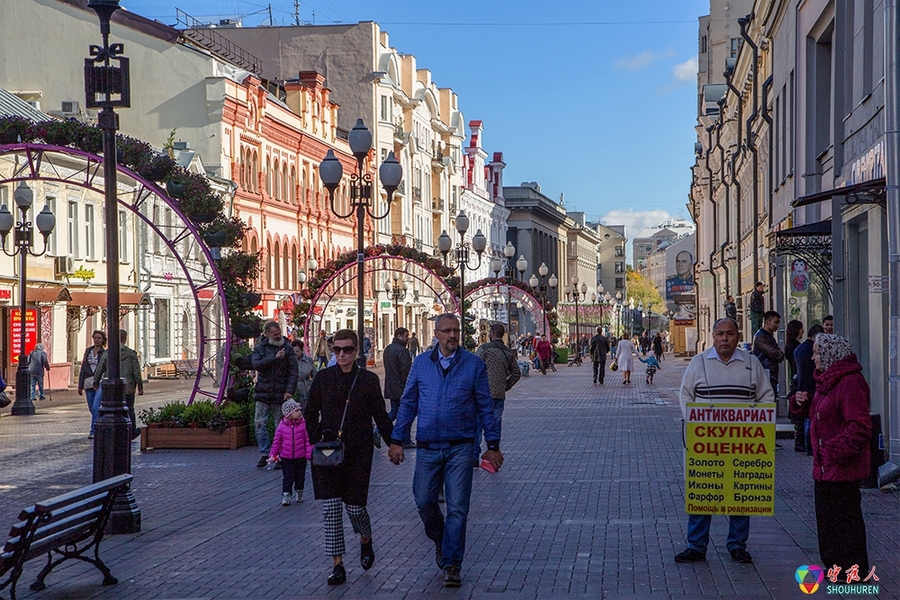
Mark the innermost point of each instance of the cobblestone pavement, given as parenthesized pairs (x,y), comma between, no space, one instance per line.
(588,505)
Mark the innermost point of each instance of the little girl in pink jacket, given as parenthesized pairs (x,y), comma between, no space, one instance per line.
(292,448)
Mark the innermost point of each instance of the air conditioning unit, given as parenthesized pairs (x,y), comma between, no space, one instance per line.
(65,265)
(69,107)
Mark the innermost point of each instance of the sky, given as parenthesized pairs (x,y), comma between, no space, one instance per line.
(592,99)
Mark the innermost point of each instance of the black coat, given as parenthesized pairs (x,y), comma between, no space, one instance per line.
(397,362)
(327,398)
(275,376)
(599,348)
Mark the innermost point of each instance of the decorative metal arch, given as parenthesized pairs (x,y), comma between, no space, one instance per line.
(346,275)
(812,243)
(529,302)
(73,167)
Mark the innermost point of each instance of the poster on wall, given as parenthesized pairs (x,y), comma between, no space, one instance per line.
(799,278)
(15,328)
(680,280)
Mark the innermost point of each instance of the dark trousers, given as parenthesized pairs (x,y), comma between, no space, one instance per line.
(129,402)
(841,529)
(293,473)
(599,370)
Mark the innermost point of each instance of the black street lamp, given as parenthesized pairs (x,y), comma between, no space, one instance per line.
(107,86)
(619,309)
(577,294)
(23,246)
(397,293)
(510,273)
(461,257)
(331,171)
(553,281)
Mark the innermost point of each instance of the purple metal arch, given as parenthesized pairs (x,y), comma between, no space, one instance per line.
(368,268)
(517,293)
(91,177)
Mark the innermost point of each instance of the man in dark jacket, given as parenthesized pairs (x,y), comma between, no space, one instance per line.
(806,382)
(447,388)
(757,307)
(503,373)
(130,371)
(731,308)
(599,348)
(765,347)
(397,362)
(276,381)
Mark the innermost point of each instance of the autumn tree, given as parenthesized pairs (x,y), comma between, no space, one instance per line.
(642,290)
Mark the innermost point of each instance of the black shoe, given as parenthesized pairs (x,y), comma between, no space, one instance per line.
(740,555)
(451,577)
(366,556)
(338,575)
(262,461)
(277,465)
(376,439)
(595,381)
(688,556)
(136,433)
(438,556)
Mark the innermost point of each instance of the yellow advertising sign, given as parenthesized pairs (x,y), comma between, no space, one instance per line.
(730,459)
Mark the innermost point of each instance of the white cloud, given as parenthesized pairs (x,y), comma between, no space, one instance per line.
(640,61)
(686,71)
(635,221)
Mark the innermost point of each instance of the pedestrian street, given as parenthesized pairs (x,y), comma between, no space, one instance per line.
(589,504)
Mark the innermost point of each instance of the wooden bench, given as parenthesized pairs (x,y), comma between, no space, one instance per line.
(59,526)
(186,368)
(166,371)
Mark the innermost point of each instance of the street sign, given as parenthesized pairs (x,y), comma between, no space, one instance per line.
(15,327)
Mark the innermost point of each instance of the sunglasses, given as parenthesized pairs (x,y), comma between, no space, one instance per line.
(344,349)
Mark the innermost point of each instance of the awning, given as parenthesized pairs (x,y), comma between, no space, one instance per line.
(99,299)
(867,192)
(53,293)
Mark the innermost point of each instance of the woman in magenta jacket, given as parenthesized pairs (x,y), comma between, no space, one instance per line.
(840,428)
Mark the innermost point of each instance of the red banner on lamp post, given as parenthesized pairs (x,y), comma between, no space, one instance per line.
(15,328)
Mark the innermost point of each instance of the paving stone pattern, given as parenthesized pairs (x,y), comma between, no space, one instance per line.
(588,505)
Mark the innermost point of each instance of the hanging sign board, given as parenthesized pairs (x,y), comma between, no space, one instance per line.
(15,328)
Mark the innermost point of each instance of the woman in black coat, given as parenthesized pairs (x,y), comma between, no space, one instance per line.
(342,386)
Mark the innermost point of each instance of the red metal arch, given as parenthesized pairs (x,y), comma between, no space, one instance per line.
(529,302)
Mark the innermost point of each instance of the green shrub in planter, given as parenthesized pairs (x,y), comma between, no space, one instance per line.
(172,410)
(199,412)
(232,411)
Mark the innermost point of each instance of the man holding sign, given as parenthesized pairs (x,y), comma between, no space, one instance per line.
(722,439)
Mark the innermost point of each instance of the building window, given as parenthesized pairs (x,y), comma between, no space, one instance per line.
(620,267)
(89,232)
(620,283)
(123,237)
(736,44)
(620,251)
(51,203)
(161,321)
(385,109)
(73,229)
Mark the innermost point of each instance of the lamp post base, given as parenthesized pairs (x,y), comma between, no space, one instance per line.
(23,404)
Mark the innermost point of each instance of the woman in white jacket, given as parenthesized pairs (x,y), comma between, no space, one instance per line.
(625,358)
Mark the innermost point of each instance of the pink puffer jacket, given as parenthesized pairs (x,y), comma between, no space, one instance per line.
(291,440)
(840,425)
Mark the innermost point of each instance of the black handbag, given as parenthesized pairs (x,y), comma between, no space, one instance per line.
(4,400)
(330,454)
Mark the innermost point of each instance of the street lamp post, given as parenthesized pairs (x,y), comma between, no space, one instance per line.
(577,294)
(631,317)
(509,251)
(107,86)
(23,246)
(331,172)
(619,313)
(461,257)
(397,293)
(553,282)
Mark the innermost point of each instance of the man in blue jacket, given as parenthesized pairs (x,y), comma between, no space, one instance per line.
(446,388)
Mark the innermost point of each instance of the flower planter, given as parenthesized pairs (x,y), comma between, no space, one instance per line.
(187,438)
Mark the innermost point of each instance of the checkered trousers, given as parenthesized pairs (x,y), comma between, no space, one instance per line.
(334,525)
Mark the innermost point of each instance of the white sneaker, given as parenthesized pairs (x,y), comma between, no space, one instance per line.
(286,499)
(299,495)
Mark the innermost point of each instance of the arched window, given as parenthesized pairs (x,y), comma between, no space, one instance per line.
(286,264)
(268,176)
(254,175)
(285,185)
(276,266)
(304,185)
(295,267)
(276,181)
(269,264)
(293,183)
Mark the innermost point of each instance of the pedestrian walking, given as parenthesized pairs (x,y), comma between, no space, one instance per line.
(276,382)
(730,308)
(625,359)
(322,350)
(397,362)
(658,347)
(645,343)
(544,352)
(652,367)
(503,373)
(292,448)
(793,337)
(414,345)
(343,402)
(37,365)
(89,363)
(724,374)
(130,371)
(599,349)
(806,382)
(306,370)
(840,429)
(765,347)
(757,306)
(446,389)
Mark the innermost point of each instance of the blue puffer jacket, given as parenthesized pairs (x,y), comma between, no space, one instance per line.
(446,403)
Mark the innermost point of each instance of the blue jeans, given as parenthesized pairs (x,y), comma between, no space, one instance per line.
(261,417)
(450,469)
(498,415)
(39,381)
(93,401)
(698,532)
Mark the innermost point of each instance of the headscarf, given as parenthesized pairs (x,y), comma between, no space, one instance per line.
(832,348)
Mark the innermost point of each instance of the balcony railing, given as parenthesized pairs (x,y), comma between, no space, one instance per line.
(417,195)
(437,205)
